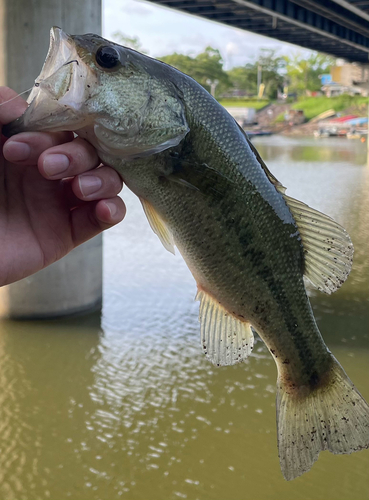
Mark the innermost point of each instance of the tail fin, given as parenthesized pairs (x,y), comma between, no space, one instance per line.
(332,417)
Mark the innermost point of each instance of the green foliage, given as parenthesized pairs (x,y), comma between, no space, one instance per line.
(131,42)
(270,66)
(303,73)
(244,78)
(205,67)
(209,66)
(280,118)
(299,72)
(313,106)
(244,103)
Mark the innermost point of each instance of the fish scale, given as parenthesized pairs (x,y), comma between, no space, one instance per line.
(205,189)
(197,235)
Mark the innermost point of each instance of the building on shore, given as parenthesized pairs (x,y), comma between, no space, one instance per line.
(347,78)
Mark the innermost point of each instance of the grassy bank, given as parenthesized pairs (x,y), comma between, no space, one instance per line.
(244,103)
(313,106)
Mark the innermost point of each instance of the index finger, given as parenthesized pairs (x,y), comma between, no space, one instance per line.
(10,110)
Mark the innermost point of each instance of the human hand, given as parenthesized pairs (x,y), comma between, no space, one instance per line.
(52,196)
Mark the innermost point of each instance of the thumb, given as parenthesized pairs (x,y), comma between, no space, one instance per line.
(10,110)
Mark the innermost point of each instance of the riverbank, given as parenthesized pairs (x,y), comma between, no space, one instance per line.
(287,118)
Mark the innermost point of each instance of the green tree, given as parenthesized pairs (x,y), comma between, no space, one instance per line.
(270,66)
(128,41)
(244,78)
(182,62)
(204,68)
(303,73)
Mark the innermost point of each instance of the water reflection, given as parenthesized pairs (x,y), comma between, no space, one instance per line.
(131,408)
(45,378)
(340,189)
(314,150)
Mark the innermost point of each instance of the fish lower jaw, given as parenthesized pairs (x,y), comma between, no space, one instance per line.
(87,133)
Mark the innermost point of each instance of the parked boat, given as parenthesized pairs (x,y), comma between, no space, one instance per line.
(358,134)
(340,126)
(254,133)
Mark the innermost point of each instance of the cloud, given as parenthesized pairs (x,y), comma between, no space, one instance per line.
(138,8)
(232,49)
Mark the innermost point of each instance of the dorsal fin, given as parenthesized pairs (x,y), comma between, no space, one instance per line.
(225,339)
(159,226)
(269,174)
(328,249)
(327,246)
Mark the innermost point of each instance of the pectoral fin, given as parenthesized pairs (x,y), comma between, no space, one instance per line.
(225,339)
(159,226)
(200,177)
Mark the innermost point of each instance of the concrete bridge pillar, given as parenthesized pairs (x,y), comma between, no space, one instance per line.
(73,284)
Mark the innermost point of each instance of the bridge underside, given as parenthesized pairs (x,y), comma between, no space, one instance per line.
(336,27)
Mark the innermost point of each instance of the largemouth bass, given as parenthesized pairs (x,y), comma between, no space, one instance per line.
(205,190)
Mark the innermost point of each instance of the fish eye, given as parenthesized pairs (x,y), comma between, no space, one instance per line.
(107,57)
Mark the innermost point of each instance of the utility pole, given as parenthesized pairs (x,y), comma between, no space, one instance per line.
(213,85)
(367,138)
(73,284)
(259,78)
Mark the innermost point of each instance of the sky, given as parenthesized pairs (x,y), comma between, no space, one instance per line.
(163,31)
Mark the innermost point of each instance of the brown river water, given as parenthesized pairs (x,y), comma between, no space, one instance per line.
(124,405)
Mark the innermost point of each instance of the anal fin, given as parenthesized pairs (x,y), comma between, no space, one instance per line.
(225,339)
(159,226)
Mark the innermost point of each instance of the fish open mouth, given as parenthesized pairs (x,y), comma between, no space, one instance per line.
(58,95)
(55,66)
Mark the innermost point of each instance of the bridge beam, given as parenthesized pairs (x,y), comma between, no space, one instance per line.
(324,25)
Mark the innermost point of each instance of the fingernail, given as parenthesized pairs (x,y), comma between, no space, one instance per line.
(55,164)
(112,208)
(89,184)
(17,151)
